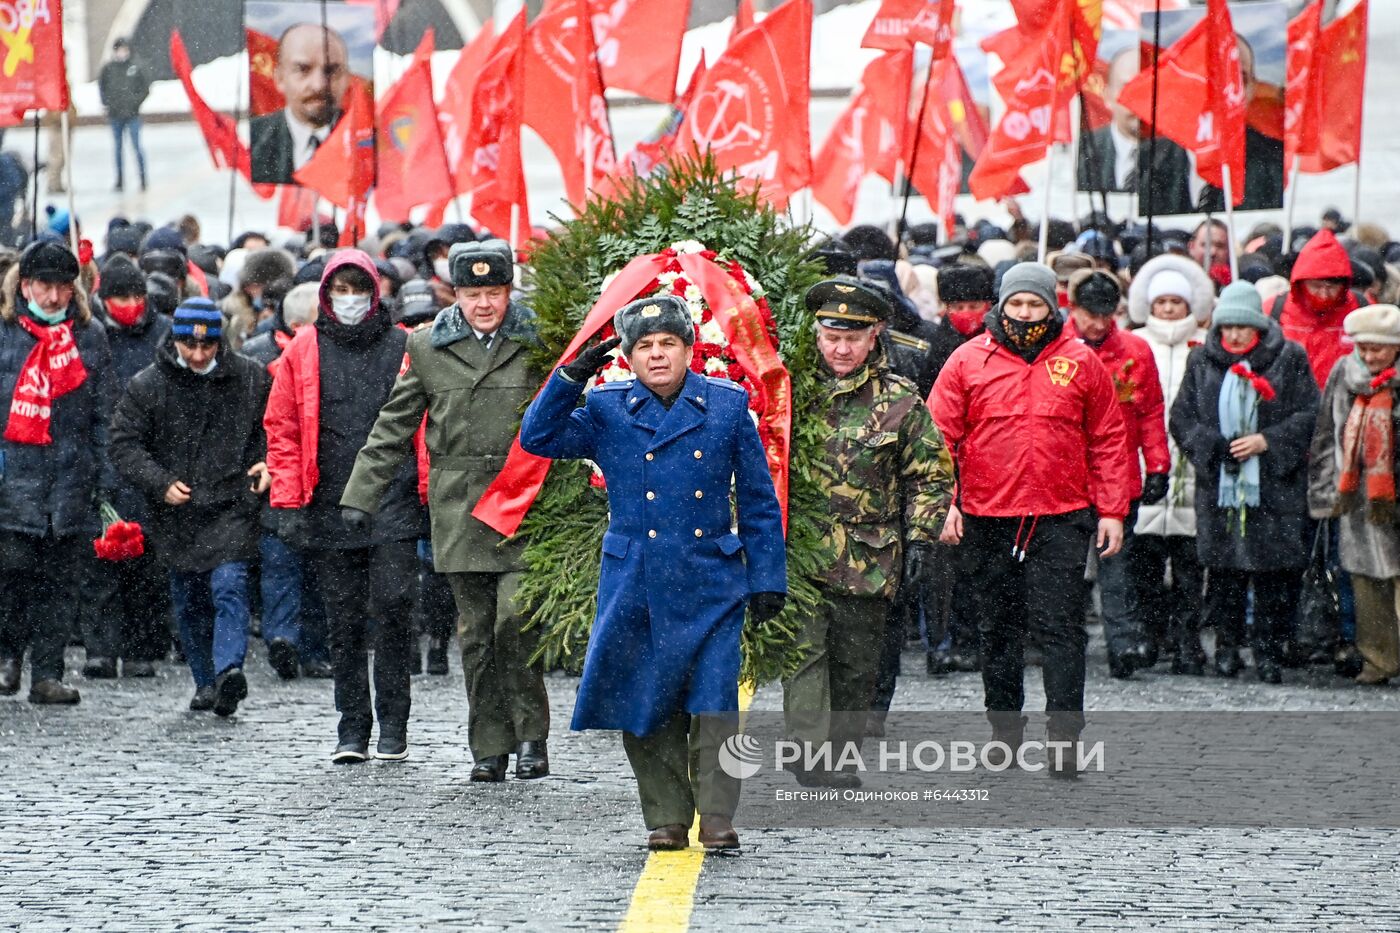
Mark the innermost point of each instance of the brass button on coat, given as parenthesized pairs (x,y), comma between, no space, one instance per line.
(652,533)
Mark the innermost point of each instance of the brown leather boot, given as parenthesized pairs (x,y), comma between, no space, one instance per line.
(717,832)
(669,838)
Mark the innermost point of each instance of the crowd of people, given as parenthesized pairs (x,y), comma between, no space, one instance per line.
(300,432)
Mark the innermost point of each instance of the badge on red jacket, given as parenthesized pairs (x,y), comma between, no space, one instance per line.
(1062,370)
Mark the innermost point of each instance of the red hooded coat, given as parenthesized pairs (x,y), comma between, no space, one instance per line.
(1315,325)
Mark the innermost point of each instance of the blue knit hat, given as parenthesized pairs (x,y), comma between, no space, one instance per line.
(1240,306)
(197,319)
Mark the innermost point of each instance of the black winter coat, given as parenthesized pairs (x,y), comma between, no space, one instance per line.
(945,339)
(133,349)
(205,431)
(54,488)
(1276,532)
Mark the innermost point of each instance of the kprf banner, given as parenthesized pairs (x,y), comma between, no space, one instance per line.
(32,75)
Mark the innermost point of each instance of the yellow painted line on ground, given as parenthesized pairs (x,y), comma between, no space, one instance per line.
(665,892)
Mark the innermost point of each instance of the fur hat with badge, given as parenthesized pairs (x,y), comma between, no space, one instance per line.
(659,314)
(1095,291)
(481,264)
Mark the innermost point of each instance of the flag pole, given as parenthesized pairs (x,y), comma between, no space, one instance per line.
(1043,246)
(1292,202)
(34,210)
(68,181)
(1152,140)
(914,152)
(237,112)
(1356,191)
(1229,222)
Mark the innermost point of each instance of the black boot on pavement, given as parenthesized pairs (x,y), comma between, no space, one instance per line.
(53,693)
(230,688)
(203,699)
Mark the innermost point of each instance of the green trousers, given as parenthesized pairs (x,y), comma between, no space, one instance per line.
(829,697)
(1377,635)
(507,701)
(677,770)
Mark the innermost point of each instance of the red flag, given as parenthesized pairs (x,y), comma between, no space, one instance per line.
(1035,84)
(412,164)
(342,170)
(652,150)
(898,24)
(220,131)
(564,95)
(1340,87)
(33,75)
(1200,98)
(495,178)
(935,166)
(866,136)
(744,18)
(354,224)
(750,110)
(263,96)
(295,206)
(455,116)
(639,44)
(1299,116)
(593,142)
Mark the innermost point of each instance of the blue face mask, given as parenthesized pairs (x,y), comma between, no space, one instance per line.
(41,315)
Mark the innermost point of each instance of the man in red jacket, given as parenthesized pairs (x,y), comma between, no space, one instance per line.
(1319,300)
(1038,441)
(1093,300)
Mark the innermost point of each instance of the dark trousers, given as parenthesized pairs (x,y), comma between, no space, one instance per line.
(1041,597)
(126,608)
(435,613)
(506,698)
(130,126)
(1170,611)
(838,672)
(1275,602)
(292,607)
(38,599)
(678,771)
(359,585)
(1122,626)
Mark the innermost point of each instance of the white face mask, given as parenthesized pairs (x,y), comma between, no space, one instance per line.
(1172,332)
(442,270)
(350,309)
(180,362)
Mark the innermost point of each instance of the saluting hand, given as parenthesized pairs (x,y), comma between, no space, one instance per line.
(586,365)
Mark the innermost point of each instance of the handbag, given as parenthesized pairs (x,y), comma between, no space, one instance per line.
(1320,602)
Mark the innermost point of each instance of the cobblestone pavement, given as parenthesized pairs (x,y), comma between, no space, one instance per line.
(130,813)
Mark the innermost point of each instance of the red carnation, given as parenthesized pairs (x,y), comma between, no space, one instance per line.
(84,252)
(1382,377)
(1239,369)
(120,541)
(1263,387)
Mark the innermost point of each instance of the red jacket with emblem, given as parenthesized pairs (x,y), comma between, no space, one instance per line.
(1138,388)
(1033,439)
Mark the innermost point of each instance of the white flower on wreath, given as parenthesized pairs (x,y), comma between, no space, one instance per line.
(711,332)
(689,246)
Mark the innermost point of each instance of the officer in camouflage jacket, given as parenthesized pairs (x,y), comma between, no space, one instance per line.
(889,480)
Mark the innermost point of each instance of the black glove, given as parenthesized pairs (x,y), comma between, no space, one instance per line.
(1154,488)
(765,606)
(918,563)
(355,520)
(586,365)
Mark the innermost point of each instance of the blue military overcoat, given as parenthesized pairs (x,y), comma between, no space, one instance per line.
(675,577)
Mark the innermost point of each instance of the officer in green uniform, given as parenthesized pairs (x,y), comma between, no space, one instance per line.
(888,479)
(469,372)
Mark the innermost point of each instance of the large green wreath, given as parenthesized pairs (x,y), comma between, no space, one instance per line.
(690,200)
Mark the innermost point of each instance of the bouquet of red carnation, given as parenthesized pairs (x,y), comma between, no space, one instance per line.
(120,540)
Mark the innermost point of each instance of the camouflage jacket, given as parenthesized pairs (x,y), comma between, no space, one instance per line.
(888,476)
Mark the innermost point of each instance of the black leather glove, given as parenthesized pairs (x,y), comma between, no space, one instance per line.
(765,606)
(918,563)
(355,520)
(586,365)
(1154,488)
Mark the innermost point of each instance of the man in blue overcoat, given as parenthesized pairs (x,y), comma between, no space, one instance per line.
(676,577)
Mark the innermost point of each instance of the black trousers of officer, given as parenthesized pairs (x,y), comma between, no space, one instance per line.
(125,608)
(38,599)
(1041,596)
(375,583)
